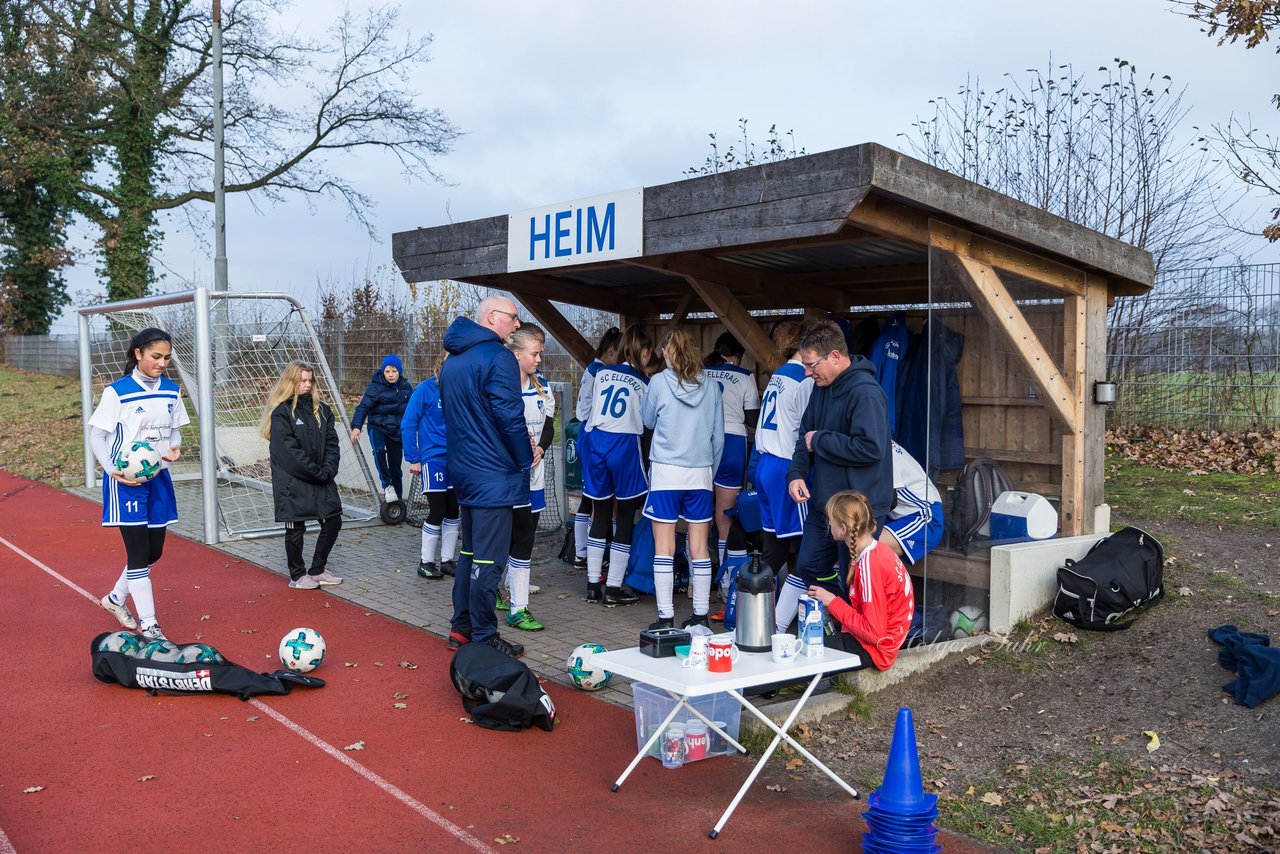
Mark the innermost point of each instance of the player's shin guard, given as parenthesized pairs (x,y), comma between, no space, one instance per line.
(595,559)
(581,531)
(430,542)
(143,601)
(700,581)
(619,554)
(664,579)
(788,602)
(121,590)
(449,539)
(518,583)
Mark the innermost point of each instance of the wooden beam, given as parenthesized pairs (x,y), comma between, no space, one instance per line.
(1094,419)
(891,219)
(681,312)
(993,300)
(558,327)
(1060,277)
(565,291)
(740,278)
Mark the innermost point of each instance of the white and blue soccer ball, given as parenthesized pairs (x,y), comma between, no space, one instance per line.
(127,642)
(199,652)
(582,669)
(160,650)
(967,621)
(302,650)
(139,461)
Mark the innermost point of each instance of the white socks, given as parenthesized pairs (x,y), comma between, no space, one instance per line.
(700,582)
(449,539)
(518,583)
(788,602)
(143,601)
(664,579)
(595,560)
(619,554)
(581,531)
(430,542)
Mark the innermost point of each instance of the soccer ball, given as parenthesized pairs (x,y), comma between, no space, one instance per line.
(159,650)
(968,620)
(302,650)
(139,461)
(194,652)
(584,672)
(129,643)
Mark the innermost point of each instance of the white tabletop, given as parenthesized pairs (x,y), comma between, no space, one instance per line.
(751,668)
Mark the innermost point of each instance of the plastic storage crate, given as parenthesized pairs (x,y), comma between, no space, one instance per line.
(653,705)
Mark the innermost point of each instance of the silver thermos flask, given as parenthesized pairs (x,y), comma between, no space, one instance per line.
(754,632)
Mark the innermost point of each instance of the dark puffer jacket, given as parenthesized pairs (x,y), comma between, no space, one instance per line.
(383,405)
(304,462)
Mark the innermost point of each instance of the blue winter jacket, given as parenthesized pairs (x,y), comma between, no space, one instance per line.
(383,404)
(422,427)
(489,453)
(851,446)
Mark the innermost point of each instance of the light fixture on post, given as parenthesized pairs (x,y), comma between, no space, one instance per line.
(1104,392)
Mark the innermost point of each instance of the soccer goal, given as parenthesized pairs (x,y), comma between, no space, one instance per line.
(229,348)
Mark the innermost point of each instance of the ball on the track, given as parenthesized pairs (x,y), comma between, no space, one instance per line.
(202,652)
(127,642)
(139,461)
(968,620)
(302,650)
(582,669)
(160,650)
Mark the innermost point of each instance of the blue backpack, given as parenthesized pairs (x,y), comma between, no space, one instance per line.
(639,575)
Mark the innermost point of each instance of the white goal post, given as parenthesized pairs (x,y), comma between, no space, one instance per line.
(229,348)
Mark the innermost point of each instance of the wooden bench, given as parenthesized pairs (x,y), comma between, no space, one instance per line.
(943,565)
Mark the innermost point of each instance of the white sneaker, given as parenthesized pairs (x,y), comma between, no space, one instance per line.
(120,612)
(326,578)
(306,582)
(152,632)
(390,494)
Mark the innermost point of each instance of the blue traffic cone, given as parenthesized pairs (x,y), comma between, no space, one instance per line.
(902,789)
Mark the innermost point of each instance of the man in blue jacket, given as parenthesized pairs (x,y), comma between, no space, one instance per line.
(843,443)
(489,455)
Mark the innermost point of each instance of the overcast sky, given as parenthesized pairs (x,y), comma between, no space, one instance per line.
(561,99)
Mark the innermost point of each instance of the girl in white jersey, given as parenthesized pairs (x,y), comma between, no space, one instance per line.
(141,406)
(741,401)
(785,399)
(606,354)
(540,417)
(613,474)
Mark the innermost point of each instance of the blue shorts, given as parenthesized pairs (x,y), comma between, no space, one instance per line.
(537,500)
(435,477)
(669,505)
(611,467)
(153,503)
(916,536)
(779,515)
(733,462)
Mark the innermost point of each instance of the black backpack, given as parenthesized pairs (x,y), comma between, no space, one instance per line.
(498,691)
(1120,574)
(981,481)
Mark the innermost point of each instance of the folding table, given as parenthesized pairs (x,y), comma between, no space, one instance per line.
(750,670)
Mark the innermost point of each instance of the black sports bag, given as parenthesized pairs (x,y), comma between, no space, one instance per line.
(498,691)
(1119,575)
(201,677)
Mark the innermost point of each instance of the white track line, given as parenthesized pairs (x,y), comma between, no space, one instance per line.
(382,783)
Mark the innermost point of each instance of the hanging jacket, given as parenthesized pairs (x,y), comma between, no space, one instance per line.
(383,405)
(887,354)
(422,427)
(489,454)
(304,462)
(929,422)
(851,445)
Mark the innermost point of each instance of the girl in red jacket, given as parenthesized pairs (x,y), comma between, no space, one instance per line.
(877,615)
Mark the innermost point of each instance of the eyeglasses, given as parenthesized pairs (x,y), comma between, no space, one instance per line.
(511,314)
(809,366)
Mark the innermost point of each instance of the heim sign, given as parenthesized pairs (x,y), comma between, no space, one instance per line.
(601,228)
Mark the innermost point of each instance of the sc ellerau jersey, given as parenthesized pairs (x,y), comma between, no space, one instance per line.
(913,491)
(784,401)
(619,393)
(883,603)
(133,412)
(537,409)
(738,394)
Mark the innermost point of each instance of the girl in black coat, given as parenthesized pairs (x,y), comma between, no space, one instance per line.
(383,405)
(304,462)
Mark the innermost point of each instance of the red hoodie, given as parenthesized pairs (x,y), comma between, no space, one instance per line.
(883,603)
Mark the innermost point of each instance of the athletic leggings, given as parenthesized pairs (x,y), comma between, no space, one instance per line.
(143,545)
(524,524)
(602,520)
(441,506)
(779,551)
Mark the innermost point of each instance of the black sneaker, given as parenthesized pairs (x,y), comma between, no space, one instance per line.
(429,570)
(506,647)
(695,620)
(457,639)
(619,596)
(580,563)
(593,592)
(662,623)
(449,568)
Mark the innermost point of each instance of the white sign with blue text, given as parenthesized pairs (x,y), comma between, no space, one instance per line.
(601,228)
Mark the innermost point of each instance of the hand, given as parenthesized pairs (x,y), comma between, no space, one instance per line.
(808,441)
(355,435)
(537,454)
(174,453)
(798,490)
(415,468)
(126,481)
(822,594)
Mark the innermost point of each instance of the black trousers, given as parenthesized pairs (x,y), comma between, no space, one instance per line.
(293,532)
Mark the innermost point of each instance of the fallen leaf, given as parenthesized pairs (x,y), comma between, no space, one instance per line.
(1065,637)
(350,664)
(1184,591)
(359,745)
(993,798)
(31,790)
(506,839)
(204,617)
(1154,744)
(400,705)
(145,777)
(398,696)
(377,664)
(252,718)
(408,665)
(776,788)
(795,763)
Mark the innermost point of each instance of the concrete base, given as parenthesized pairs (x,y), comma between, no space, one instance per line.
(1024,577)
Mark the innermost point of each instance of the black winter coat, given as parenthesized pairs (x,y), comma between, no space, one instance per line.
(304,462)
(383,405)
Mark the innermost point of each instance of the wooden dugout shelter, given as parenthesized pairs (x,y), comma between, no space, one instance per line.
(840,233)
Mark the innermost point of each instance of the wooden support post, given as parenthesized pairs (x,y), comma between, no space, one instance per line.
(1093,423)
(558,327)
(1072,509)
(1008,258)
(680,313)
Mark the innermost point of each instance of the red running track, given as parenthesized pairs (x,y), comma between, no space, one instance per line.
(226,776)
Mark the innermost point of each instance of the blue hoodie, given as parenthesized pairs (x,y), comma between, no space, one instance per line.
(489,452)
(687,421)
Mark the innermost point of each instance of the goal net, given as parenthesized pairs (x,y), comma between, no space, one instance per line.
(251,337)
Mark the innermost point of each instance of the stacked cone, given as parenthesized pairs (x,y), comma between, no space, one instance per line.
(899,814)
